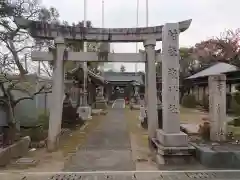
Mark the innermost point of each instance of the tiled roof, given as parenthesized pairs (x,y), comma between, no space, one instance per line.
(218,68)
(90,73)
(123,76)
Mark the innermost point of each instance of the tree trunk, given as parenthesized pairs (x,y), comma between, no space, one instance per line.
(9,134)
(16,58)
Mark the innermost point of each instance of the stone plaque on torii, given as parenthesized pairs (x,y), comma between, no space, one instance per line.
(169,33)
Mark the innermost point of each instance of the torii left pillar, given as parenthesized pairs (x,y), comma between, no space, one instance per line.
(151,89)
(55,119)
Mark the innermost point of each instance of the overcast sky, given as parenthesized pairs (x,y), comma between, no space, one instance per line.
(210,17)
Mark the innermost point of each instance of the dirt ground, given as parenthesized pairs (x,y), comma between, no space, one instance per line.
(54,161)
(139,142)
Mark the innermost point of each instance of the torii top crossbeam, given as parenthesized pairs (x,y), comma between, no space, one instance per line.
(40,29)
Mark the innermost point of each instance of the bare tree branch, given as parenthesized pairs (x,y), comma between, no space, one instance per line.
(28,97)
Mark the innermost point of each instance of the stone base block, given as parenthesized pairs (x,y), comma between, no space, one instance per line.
(174,160)
(174,155)
(135,107)
(84,112)
(142,114)
(140,118)
(96,112)
(101,104)
(172,140)
(176,151)
(104,112)
(100,98)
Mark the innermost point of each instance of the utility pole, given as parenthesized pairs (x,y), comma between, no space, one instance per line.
(136,64)
(85,50)
(146,13)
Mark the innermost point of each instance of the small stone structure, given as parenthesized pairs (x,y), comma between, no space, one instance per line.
(217,107)
(84,112)
(217,153)
(101,103)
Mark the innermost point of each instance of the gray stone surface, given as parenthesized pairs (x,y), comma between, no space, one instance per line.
(25,163)
(107,148)
(210,175)
(15,150)
(224,156)
(172,139)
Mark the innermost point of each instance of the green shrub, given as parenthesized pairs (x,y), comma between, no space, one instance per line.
(235,122)
(231,123)
(235,107)
(189,101)
(36,134)
(43,120)
(35,128)
(236,97)
(205,102)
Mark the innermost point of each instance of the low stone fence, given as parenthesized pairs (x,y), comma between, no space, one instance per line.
(16,150)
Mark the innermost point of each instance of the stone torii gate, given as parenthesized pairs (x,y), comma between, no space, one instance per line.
(170,135)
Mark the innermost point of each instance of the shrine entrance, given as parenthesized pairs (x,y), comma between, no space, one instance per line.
(170,134)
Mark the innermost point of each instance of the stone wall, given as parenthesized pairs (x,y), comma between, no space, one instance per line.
(16,150)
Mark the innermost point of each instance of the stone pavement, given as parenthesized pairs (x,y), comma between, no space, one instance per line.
(107,148)
(175,175)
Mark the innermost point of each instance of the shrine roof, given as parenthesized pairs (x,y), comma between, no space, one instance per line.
(219,68)
(98,78)
(123,77)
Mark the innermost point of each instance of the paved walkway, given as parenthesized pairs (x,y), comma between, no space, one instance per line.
(127,176)
(108,146)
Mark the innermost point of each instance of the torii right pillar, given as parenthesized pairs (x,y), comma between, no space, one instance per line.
(170,136)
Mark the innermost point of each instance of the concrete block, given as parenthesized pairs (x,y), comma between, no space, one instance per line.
(136,107)
(15,150)
(84,112)
(172,140)
(219,158)
(23,163)
(96,112)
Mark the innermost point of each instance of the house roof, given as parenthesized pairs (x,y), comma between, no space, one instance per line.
(123,76)
(218,68)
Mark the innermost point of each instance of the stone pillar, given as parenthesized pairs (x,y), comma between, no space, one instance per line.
(151,90)
(102,91)
(101,103)
(108,92)
(170,134)
(217,107)
(55,119)
(146,81)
